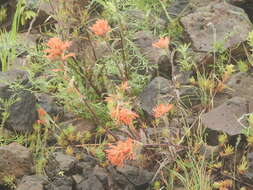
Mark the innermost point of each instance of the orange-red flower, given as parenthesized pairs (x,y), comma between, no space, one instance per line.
(101,27)
(57,49)
(124,115)
(162,43)
(123,150)
(162,109)
(41,113)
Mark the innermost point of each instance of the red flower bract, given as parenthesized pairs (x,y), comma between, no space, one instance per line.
(124,115)
(101,27)
(57,49)
(123,150)
(162,109)
(41,114)
(162,43)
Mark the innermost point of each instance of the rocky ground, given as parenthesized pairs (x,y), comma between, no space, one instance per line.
(203,23)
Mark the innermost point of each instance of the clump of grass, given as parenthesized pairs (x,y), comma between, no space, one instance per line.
(192,174)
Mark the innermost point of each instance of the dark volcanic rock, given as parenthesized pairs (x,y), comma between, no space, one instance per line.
(218,18)
(139,177)
(131,177)
(240,84)
(15,160)
(59,162)
(48,104)
(158,91)
(101,174)
(22,111)
(179,7)
(155,56)
(92,183)
(161,90)
(227,24)
(61,183)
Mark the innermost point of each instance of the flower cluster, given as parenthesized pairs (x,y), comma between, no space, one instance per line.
(162,109)
(123,115)
(101,27)
(123,150)
(57,49)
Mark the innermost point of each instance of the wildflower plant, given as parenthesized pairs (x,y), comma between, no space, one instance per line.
(120,108)
(103,88)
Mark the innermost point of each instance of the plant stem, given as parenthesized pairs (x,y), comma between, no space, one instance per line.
(123,52)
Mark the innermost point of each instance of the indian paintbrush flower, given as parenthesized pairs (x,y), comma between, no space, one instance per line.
(123,150)
(56,49)
(162,109)
(101,27)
